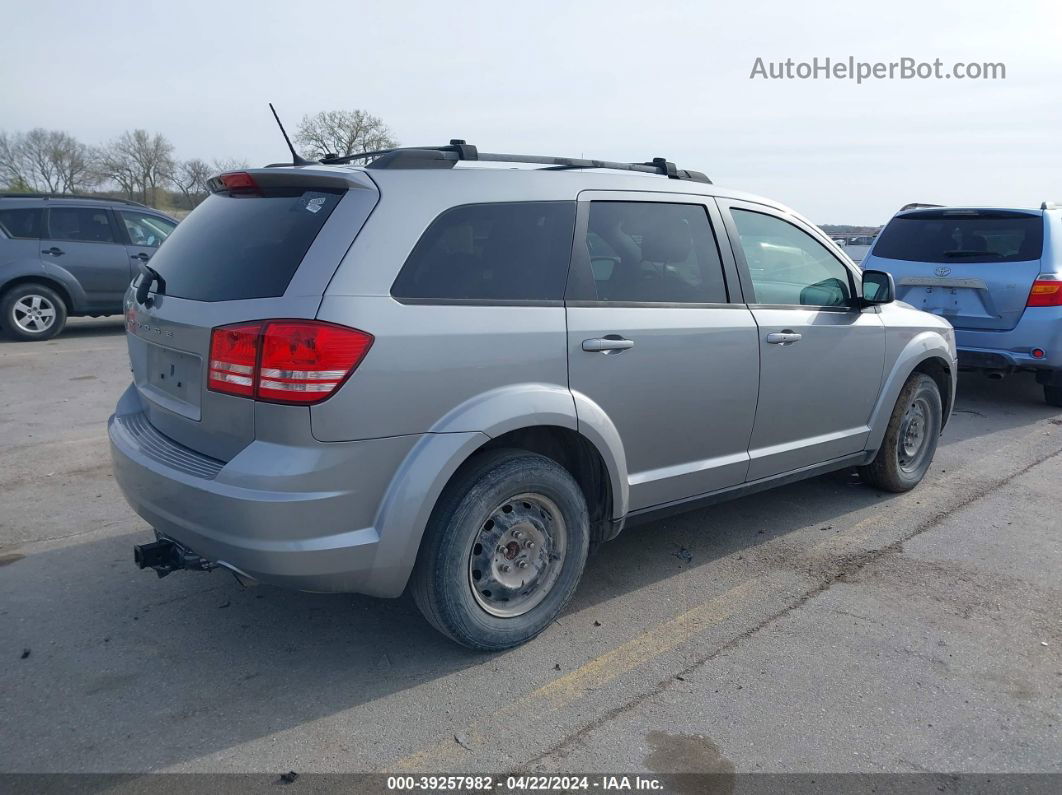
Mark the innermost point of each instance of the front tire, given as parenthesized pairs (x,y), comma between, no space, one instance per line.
(32,312)
(503,550)
(910,439)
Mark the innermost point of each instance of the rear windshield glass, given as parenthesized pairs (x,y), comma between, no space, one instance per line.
(515,251)
(977,237)
(237,246)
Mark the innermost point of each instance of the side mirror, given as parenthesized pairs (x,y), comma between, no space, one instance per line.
(878,288)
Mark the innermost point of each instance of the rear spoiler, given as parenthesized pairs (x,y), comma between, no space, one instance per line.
(917,206)
(250,180)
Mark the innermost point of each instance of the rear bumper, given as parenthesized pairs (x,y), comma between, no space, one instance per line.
(257,513)
(1039,327)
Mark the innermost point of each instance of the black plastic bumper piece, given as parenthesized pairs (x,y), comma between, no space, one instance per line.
(166,556)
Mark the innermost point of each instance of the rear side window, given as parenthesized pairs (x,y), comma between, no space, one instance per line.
(21,223)
(972,236)
(514,251)
(243,245)
(654,252)
(80,224)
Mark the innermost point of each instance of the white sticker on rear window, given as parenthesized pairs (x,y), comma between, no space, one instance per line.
(311,202)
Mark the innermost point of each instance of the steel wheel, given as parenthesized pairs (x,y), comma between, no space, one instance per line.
(914,435)
(33,314)
(517,555)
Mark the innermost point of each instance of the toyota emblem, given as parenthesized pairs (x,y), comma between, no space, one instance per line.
(943,270)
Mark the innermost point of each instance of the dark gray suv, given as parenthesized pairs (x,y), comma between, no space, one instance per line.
(62,256)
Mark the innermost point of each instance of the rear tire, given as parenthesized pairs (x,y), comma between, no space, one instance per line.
(910,439)
(503,550)
(32,312)
(1053,395)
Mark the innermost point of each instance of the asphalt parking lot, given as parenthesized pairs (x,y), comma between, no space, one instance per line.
(820,627)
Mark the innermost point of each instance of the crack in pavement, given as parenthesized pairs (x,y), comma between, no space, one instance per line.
(846,566)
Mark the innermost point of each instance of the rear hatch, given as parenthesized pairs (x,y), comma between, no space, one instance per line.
(263,245)
(974,267)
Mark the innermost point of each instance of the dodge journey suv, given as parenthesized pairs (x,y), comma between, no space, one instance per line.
(437,373)
(70,255)
(996,274)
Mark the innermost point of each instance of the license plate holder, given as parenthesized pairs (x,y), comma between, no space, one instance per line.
(174,380)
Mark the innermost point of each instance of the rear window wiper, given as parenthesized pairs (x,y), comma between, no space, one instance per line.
(971,254)
(149,276)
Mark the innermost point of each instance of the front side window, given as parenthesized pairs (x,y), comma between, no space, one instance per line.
(653,252)
(787,265)
(21,223)
(512,251)
(80,224)
(144,229)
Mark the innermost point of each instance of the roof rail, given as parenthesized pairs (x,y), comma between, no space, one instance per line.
(76,196)
(457,150)
(1049,206)
(917,206)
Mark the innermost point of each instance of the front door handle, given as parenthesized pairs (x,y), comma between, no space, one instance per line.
(55,251)
(141,256)
(786,337)
(611,343)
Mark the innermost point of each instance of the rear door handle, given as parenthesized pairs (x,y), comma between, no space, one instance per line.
(141,256)
(55,251)
(612,343)
(783,337)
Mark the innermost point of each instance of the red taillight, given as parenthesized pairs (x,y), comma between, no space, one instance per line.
(1045,292)
(305,362)
(238,180)
(284,361)
(233,356)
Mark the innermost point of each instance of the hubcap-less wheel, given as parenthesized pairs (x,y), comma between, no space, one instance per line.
(517,555)
(914,435)
(33,314)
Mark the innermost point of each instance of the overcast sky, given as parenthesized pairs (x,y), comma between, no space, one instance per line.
(614,80)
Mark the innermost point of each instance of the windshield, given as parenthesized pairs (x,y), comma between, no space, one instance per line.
(968,236)
(243,245)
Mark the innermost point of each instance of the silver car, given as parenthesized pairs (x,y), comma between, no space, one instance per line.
(439,374)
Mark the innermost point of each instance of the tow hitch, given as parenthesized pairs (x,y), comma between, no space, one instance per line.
(165,556)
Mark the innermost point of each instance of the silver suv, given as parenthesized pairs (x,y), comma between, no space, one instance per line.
(435,372)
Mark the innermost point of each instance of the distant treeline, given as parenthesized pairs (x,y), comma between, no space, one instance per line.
(141,166)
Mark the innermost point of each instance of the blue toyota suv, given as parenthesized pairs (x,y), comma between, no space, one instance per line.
(995,274)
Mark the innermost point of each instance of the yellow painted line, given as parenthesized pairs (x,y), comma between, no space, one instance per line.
(565,690)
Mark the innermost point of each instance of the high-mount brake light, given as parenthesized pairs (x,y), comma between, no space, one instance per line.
(284,361)
(238,180)
(1046,291)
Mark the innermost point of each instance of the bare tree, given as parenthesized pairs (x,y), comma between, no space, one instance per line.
(190,178)
(343,132)
(12,165)
(116,165)
(38,154)
(46,160)
(139,163)
(221,165)
(74,163)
